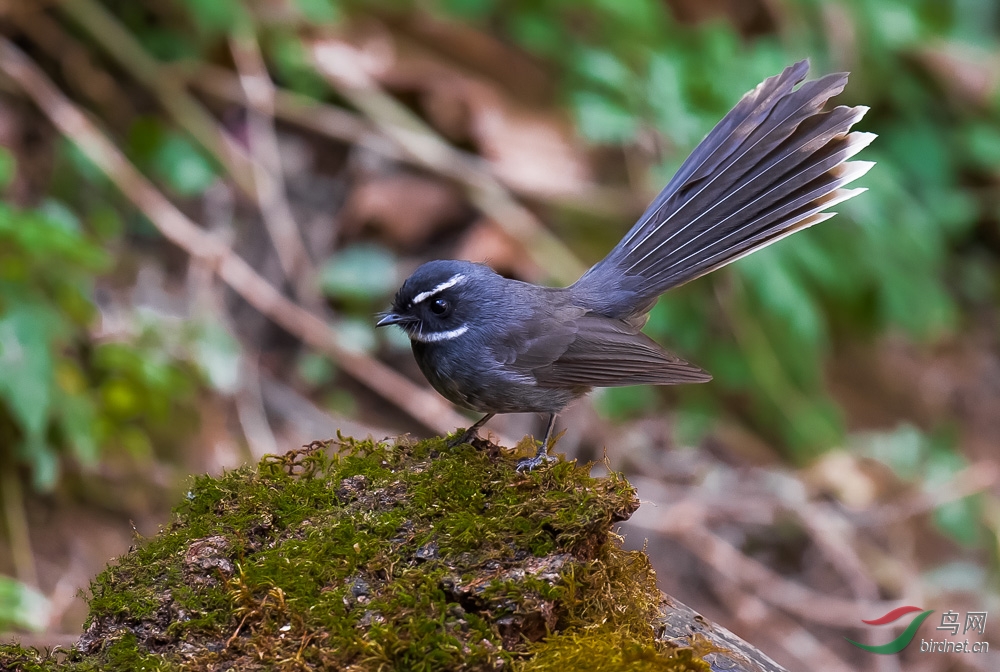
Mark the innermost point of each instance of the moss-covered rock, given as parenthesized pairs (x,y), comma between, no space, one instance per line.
(366,556)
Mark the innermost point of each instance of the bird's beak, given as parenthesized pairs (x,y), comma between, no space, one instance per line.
(391,318)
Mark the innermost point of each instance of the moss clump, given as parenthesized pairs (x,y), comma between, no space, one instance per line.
(408,556)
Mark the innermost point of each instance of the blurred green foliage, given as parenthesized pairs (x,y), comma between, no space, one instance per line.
(22,606)
(895,258)
(929,461)
(906,256)
(64,393)
(170,157)
(917,254)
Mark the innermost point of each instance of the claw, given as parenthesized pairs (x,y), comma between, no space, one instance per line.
(464,437)
(529,463)
(471,432)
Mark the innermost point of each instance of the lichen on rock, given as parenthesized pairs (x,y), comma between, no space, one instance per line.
(359,555)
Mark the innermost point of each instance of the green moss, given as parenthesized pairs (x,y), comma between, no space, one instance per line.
(413,556)
(604,647)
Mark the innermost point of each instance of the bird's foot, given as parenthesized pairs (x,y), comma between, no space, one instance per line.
(471,433)
(529,463)
(465,437)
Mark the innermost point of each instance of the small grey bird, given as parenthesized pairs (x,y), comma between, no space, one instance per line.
(771,167)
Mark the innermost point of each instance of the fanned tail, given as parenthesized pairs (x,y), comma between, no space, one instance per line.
(771,167)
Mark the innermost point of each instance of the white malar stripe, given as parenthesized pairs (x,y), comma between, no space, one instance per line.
(438,336)
(451,282)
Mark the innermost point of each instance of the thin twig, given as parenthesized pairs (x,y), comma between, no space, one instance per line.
(16,521)
(187,112)
(685,522)
(343,125)
(251,411)
(974,479)
(834,536)
(796,640)
(267,171)
(342,68)
(419,403)
(79,70)
(306,418)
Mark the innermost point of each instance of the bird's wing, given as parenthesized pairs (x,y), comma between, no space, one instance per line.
(595,351)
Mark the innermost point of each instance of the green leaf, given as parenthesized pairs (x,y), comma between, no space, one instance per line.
(728,366)
(320,11)
(982,142)
(60,215)
(363,273)
(619,403)
(356,335)
(634,15)
(182,166)
(105,222)
(219,356)
(603,68)
(469,9)
(77,423)
(666,96)
(216,16)
(537,32)
(22,606)
(8,167)
(81,164)
(783,296)
(692,423)
(903,449)
(44,462)
(602,120)
(293,66)
(26,335)
(315,369)
(960,520)
(677,321)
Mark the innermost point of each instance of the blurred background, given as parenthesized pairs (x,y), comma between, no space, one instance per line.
(203,205)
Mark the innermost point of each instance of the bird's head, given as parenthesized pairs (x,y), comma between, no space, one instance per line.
(440,301)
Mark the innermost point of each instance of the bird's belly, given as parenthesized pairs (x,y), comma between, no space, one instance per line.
(488,389)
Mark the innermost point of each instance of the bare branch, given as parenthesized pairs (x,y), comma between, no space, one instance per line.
(187,112)
(684,522)
(267,171)
(421,404)
(340,124)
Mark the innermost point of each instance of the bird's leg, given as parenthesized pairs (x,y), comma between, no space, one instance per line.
(471,432)
(529,463)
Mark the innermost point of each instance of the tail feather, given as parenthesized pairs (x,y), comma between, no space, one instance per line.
(813,155)
(779,206)
(769,168)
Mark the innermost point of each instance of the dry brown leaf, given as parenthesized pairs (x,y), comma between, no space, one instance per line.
(531,148)
(406,210)
(486,242)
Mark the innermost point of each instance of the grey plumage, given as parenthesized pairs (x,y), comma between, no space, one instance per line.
(768,169)
(772,166)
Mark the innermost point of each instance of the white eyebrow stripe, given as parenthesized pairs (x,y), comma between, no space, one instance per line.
(438,336)
(450,282)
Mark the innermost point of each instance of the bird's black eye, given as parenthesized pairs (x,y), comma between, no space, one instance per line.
(440,307)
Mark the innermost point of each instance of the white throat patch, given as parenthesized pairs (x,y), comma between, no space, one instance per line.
(450,282)
(438,336)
